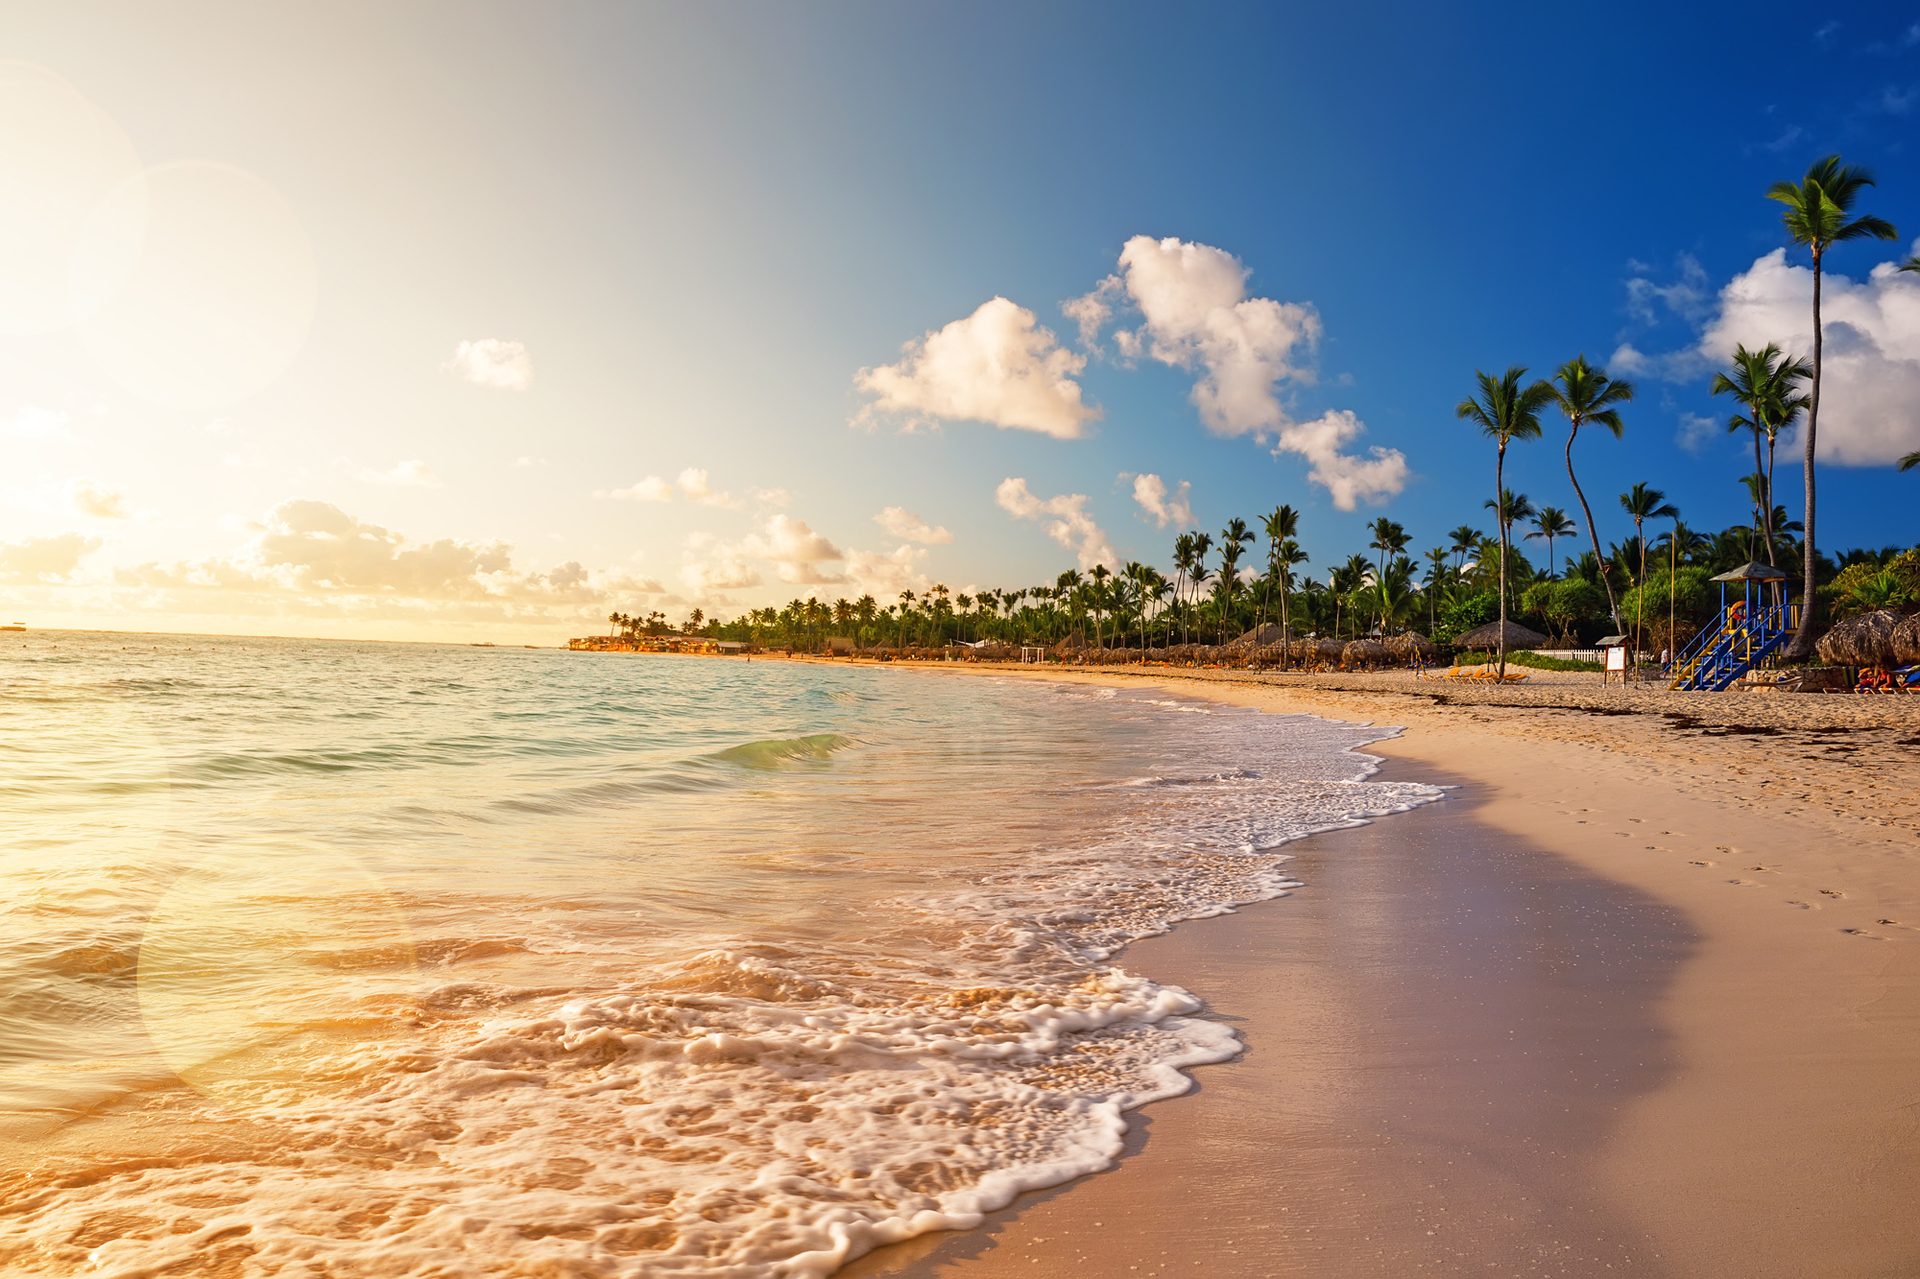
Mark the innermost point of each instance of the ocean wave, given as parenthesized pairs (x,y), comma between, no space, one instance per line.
(779,752)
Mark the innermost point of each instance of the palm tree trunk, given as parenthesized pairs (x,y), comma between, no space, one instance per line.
(1640,591)
(1593,534)
(1802,646)
(1286,640)
(1499,493)
(1763,499)
(1769,501)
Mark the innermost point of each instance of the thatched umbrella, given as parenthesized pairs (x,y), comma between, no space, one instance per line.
(1365,654)
(1866,640)
(1411,647)
(1906,640)
(1488,637)
(1261,635)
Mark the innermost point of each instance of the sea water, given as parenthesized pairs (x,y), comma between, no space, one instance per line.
(329,959)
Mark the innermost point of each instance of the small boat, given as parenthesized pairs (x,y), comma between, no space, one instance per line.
(14,626)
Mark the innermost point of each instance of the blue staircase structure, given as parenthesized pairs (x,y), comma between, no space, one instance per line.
(1751,629)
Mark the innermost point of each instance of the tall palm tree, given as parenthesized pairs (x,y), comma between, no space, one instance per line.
(1465,539)
(1235,538)
(1198,574)
(1388,539)
(1281,523)
(1550,522)
(1644,504)
(1764,383)
(1586,394)
(1288,557)
(1507,411)
(1509,510)
(1436,573)
(1815,215)
(1182,566)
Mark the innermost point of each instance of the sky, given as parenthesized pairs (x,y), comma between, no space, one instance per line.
(479,321)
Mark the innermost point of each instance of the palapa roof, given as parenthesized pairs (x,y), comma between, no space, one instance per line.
(1488,637)
(1752,571)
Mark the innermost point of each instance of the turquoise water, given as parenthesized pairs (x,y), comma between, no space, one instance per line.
(322,958)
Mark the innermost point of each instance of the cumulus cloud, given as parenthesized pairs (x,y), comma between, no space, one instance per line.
(411,473)
(651,489)
(45,559)
(1065,518)
(998,366)
(798,554)
(1195,313)
(773,497)
(95,500)
(1688,294)
(693,484)
(904,524)
(1870,389)
(1696,432)
(493,362)
(1164,508)
(1348,478)
(884,574)
(697,486)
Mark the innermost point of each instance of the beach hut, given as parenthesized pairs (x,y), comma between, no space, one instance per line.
(1488,637)
(1753,625)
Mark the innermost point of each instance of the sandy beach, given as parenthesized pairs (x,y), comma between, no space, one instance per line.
(1642,996)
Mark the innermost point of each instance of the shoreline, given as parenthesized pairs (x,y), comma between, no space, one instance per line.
(1785,1138)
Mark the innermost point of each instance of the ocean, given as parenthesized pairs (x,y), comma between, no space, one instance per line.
(334,959)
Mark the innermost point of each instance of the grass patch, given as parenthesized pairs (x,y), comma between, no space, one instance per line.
(1525,658)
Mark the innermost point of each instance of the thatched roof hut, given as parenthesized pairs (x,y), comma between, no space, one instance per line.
(1866,640)
(1906,640)
(1410,647)
(1315,652)
(1488,637)
(1259,635)
(1366,654)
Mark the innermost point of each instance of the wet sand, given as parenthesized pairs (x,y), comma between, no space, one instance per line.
(1441,1026)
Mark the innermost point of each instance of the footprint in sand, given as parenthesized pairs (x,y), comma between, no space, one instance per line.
(1694,863)
(1861,932)
(1744,883)
(1894,923)
(1831,892)
(1803,905)
(1767,869)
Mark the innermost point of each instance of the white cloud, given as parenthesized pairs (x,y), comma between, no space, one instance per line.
(1150,493)
(1697,431)
(1871,376)
(1195,312)
(45,559)
(1688,295)
(884,574)
(697,486)
(996,366)
(651,489)
(773,497)
(493,362)
(411,473)
(1348,478)
(904,524)
(797,552)
(1066,517)
(93,499)
(527,462)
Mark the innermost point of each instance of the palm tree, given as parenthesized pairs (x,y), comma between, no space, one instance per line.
(1288,557)
(1815,215)
(1282,523)
(1586,394)
(1197,575)
(1465,539)
(1550,522)
(1763,383)
(1235,538)
(1507,411)
(1644,504)
(1436,573)
(1911,264)
(1911,460)
(1388,539)
(1509,510)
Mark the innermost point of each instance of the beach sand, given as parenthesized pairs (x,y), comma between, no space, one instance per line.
(1641,996)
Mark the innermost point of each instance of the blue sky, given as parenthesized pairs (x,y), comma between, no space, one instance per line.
(696,225)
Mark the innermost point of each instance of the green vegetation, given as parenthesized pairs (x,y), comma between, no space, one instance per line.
(1538,661)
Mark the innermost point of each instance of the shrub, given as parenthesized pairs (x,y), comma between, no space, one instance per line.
(1458,616)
